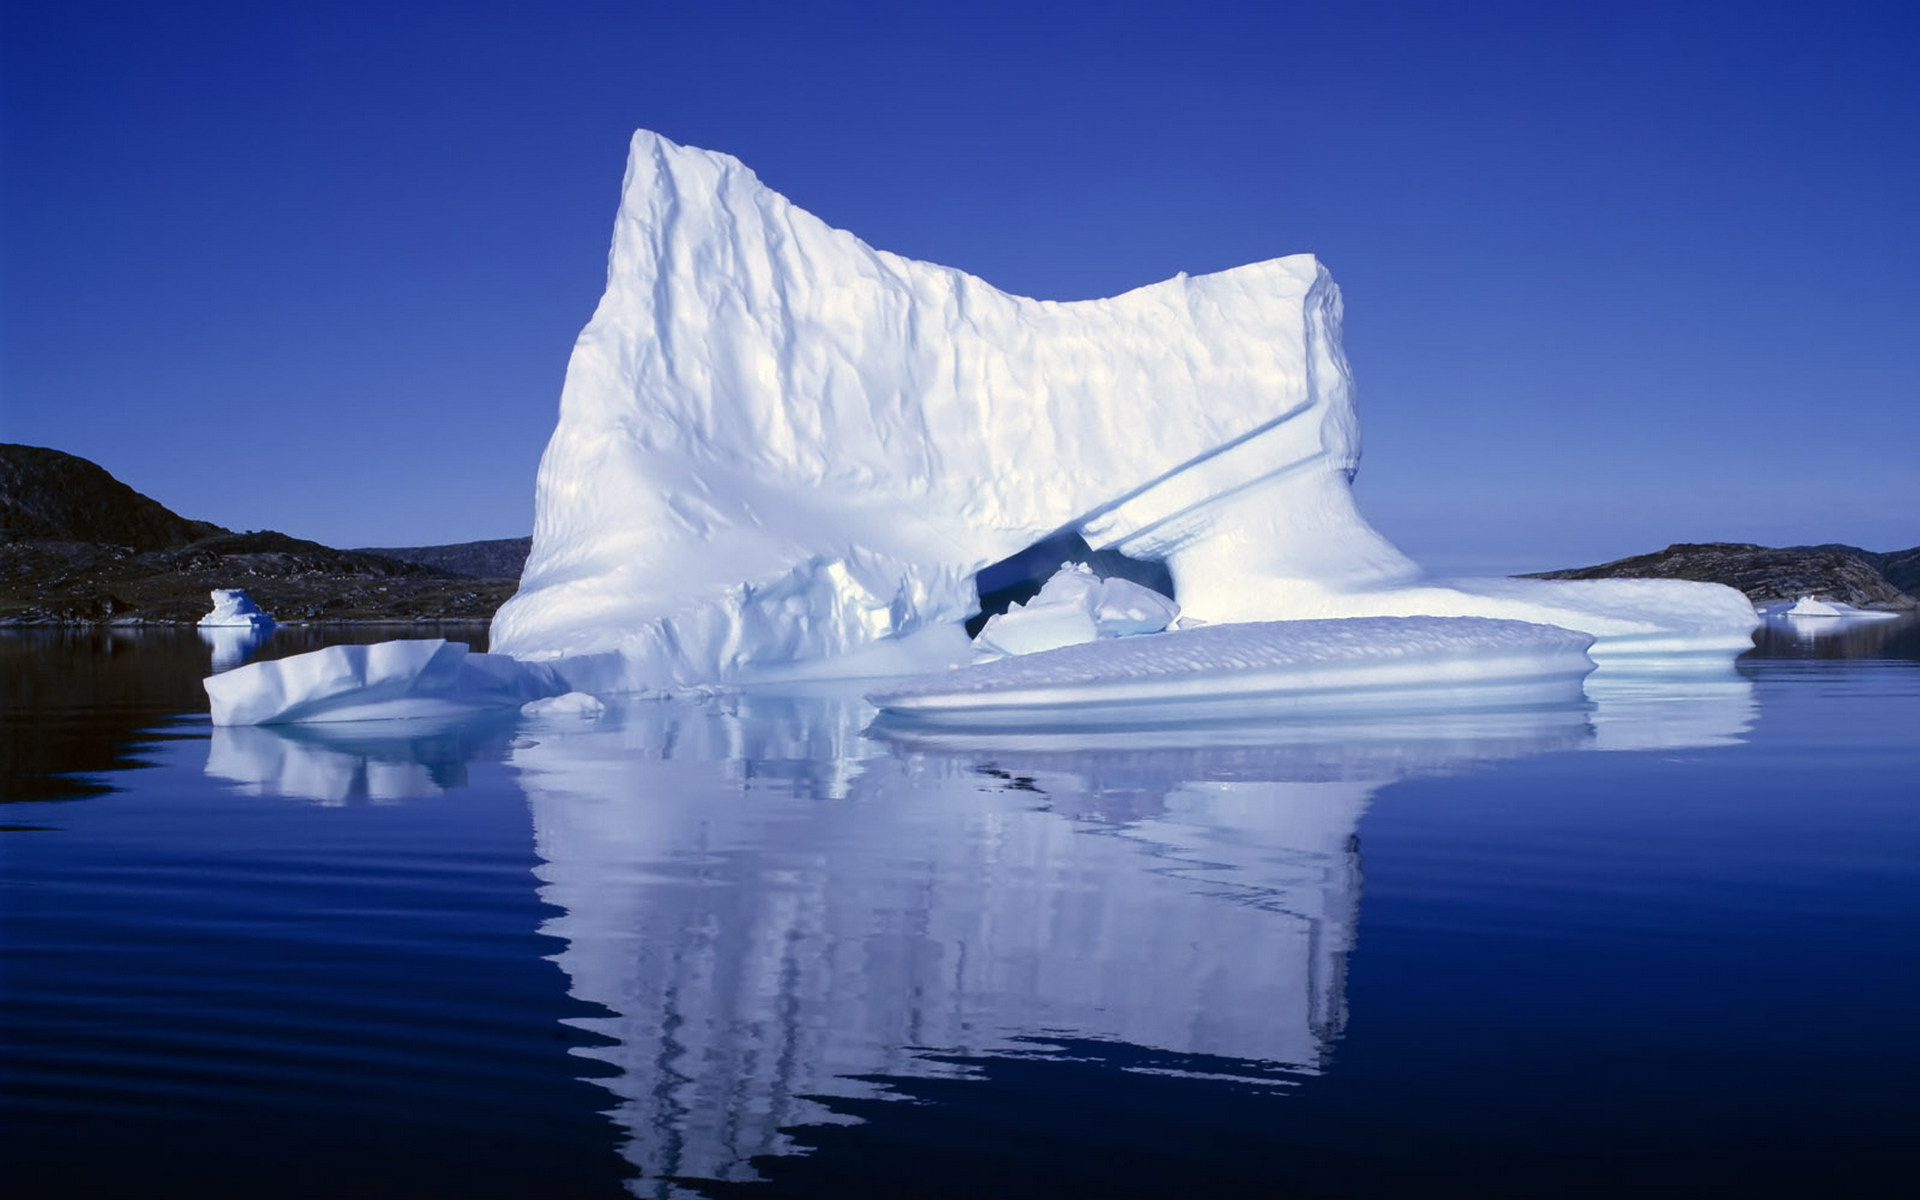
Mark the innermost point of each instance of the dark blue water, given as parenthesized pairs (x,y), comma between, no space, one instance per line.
(1665,945)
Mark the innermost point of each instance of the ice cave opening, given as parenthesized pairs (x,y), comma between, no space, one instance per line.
(1018,578)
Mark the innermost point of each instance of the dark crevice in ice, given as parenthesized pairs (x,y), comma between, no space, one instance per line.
(1018,578)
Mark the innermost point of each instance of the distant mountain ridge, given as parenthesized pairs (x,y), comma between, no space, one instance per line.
(1769,574)
(499,558)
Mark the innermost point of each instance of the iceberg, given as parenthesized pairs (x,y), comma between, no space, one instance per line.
(782,454)
(233,608)
(778,446)
(404,680)
(1807,606)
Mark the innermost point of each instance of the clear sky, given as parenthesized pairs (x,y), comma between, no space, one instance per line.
(1616,274)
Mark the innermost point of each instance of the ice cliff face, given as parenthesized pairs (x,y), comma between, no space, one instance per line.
(777,444)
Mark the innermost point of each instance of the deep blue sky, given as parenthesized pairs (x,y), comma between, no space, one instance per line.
(1616,274)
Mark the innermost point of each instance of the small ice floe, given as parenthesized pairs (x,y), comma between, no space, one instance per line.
(233,608)
(1073,607)
(578,705)
(400,680)
(1271,668)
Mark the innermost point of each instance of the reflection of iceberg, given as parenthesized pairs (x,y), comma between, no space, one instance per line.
(1785,635)
(232,643)
(1670,712)
(1808,620)
(772,907)
(339,764)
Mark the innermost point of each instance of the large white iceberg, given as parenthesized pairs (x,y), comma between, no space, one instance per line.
(780,446)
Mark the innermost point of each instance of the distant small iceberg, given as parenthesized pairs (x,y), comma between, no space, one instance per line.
(234,609)
(1807,606)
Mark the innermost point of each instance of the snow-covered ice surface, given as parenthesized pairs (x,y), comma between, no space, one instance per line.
(1260,668)
(232,607)
(778,445)
(401,680)
(1075,606)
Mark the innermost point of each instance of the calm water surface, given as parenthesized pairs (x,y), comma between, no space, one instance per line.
(1664,944)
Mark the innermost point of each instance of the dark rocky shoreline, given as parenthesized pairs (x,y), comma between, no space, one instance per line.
(1770,575)
(49,582)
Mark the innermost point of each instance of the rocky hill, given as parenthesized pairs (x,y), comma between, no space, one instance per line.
(77,546)
(501,558)
(60,497)
(1767,574)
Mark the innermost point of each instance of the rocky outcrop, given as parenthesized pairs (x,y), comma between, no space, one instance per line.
(1766,574)
(499,558)
(52,495)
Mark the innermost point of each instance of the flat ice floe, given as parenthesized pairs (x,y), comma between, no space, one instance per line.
(1272,668)
(401,680)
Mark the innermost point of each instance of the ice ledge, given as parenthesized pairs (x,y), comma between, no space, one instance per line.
(401,680)
(1269,668)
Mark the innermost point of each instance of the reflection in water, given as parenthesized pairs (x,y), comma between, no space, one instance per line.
(1837,637)
(77,703)
(775,909)
(777,903)
(232,643)
(353,762)
(1669,712)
